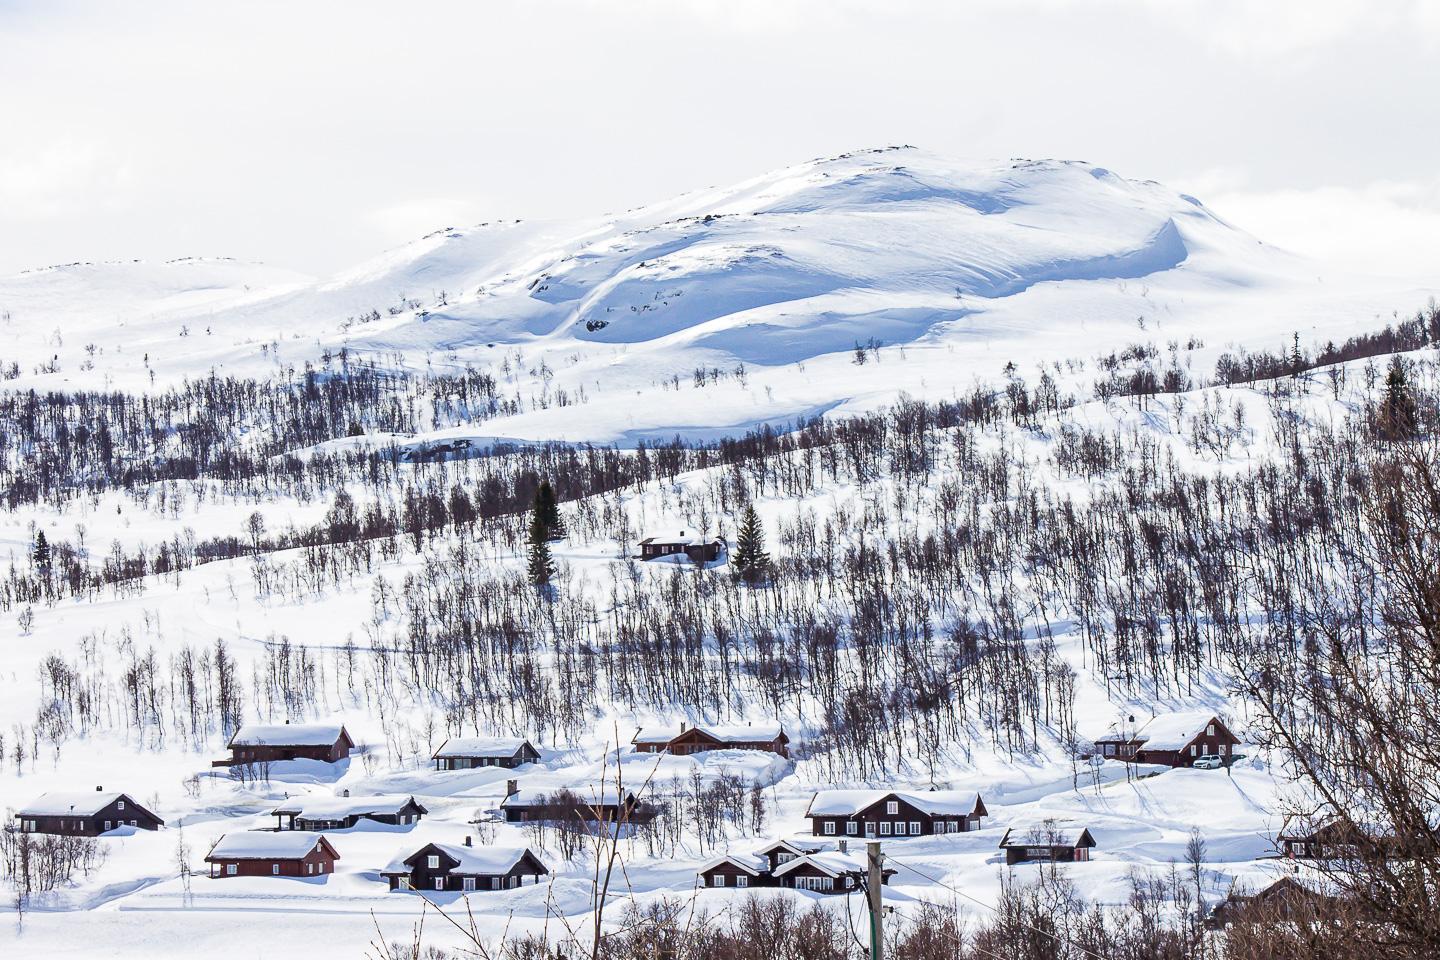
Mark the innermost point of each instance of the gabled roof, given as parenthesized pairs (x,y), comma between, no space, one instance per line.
(753,865)
(1168,731)
(831,862)
(505,747)
(935,803)
(586,795)
(797,847)
(688,537)
(469,861)
(338,808)
(723,733)
(268,845)
(288,735)
(74,803)
(1047,833)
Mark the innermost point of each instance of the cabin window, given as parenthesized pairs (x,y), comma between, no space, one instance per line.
(433,862)
(849,882)
(309,868)
(439,883)
(275,869)
(405,884)
(468,884)
(829,827)
(109,825)
(850,827)
(134,824)
(1210,730)
(742,881)
(914,828)
(119,804)
(885,828)
(1222,748)
(231,869)
(900,828)
(956,826)
(1109,750)
(892,807)
(719,879)
(827,883)
(1192,749)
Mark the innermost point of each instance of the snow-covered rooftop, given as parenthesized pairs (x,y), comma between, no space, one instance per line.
(70,803)
(692,538)
(1168,731)
(288,734)
(847,803)
(481,747)
(338,808)
(1066,833)
(725,733)
(264,845)
(832,862)
(479,861)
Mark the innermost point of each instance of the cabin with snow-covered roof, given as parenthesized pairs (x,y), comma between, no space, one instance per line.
(890,813)
(828,871)
(1172,739)
(768,737)
(467,753)
(344,812)
(690,543)
(583,805)
(274,742)
(84,814)
(261,853)
(1047,841)
(465,868)
(757,869)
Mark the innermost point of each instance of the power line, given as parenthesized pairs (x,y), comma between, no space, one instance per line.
(991,907)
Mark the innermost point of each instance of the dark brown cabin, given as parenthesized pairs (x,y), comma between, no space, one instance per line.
(265,854)
(562,805)
(468,753)
(1175,740)
(342,813)
(880,813)
(828,872)
(82,814)
(741,871)
(446,867)
(1331,839)
(1048,842)
(770,738)
(698,548)
(1285,900)
(272,743)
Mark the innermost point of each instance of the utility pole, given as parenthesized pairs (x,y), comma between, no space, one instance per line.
(873,883)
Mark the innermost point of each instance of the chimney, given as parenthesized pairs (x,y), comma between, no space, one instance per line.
(512,787)
(98,788)
(469,841)
(682,726)
(345,792)
(844,846)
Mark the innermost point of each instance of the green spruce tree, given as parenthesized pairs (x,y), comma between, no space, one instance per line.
(750,559)
(547,508)
(40,554)
(1397,409)
(540,566)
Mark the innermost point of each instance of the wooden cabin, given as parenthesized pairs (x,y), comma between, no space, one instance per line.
(255,853)
(344,812)
(272,743)
(882,813)
(84,814)
(698,547)
(1286,900)
(768,737)
(467,753)
(1326,839)
(741,871)
(585,806)
(837,871)
(1053,841)
(466,868)
(1172,739)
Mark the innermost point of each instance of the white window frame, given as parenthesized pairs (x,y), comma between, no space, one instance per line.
(274,869)
(914,828)
(439,883)
(468,884)
(884,828)
(119,804)
(899,828)
(742,881)
(432,861)
(231,869)
(829,828)
(892,807)
(719,880)
(850,828)
(1210,730)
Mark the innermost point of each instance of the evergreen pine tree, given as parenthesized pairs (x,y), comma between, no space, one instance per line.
(540,566)
(750,559)
(41,553)
(547,508)
(1397,409)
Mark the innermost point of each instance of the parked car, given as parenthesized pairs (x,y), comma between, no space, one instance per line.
(1210,761)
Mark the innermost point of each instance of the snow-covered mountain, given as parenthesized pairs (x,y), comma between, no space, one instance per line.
(958,268)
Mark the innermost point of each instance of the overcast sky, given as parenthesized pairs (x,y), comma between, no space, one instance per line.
(315,134)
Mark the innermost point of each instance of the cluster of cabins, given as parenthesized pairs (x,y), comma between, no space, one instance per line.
(297,846)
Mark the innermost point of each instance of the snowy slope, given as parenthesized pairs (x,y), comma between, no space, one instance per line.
(957,267)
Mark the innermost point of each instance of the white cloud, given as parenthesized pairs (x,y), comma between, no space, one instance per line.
(1384,227)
